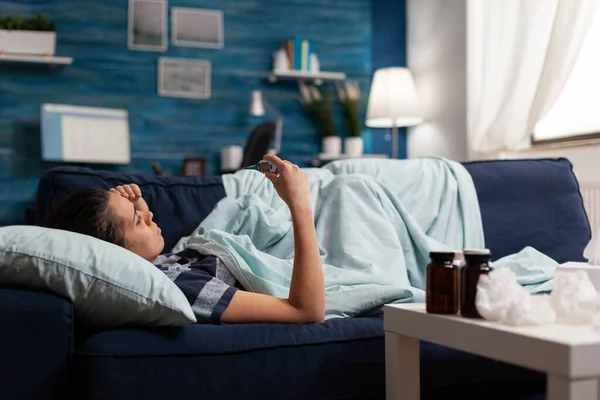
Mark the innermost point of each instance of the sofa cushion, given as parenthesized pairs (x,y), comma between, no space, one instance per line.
(533,203)
(36,344)
(338,359)
(341,358)
(179,204)
(109,285)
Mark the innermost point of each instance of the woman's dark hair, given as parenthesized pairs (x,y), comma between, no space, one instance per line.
(88,212)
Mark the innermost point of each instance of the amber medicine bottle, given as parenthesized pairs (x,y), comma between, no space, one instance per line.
(477,263)
(442,293)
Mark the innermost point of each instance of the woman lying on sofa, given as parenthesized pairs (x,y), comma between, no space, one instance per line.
(121,216)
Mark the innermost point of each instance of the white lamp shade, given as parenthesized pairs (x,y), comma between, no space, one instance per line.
(393,100)
(257,108)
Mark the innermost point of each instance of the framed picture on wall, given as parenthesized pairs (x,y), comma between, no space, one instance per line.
(147,25)
(196,27)
(184,77)
(194,167)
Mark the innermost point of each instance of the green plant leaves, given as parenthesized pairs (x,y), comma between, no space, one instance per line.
(38,23)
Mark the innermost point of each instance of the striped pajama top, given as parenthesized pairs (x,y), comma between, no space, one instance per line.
(204,280)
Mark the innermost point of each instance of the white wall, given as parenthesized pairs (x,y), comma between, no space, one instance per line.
(585,160)
(437,57)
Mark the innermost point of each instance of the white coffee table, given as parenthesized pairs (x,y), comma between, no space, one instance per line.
(570,355)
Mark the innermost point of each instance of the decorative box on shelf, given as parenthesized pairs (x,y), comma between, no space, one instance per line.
(27,42)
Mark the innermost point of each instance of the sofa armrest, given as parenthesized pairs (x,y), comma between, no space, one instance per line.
(36,343)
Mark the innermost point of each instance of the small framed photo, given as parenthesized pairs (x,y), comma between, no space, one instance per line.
(195,27)
(147,25)
(184,77)
(194,167)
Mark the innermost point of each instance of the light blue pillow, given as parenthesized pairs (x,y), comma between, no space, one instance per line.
(108,285)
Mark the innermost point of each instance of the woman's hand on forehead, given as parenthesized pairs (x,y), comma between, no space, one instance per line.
(132,192)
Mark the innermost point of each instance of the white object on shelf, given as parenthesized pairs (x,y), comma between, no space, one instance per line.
(315,66)
(35,59)
(353,146)
(27,42)
(332,145)
(317,77)
(281,62)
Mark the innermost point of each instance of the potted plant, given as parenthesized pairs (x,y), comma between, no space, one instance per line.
(349,97)
(318,107)
(21,35)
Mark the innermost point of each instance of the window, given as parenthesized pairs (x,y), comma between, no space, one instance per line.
(576,114)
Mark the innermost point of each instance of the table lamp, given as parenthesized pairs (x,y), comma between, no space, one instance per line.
(257,109)
(393,102)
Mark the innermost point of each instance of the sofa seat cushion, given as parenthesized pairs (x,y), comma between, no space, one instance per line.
(339,359)
(205,339)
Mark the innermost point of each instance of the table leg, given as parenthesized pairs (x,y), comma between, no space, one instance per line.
(402,367)
(561,388)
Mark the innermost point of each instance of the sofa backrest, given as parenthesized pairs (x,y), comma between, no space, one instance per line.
(179,204)
(523,203)
(533,203)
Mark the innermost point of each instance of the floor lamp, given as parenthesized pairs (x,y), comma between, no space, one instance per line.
(393,102)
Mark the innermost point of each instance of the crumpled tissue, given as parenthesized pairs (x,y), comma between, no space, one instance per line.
(574,300)
(501,299)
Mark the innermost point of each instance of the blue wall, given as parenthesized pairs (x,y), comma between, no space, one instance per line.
(105,73)
(388,20)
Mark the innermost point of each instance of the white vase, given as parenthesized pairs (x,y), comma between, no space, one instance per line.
(281,63)
(27,42)
(354,146)
(315,66)
(231,158)
(332,145)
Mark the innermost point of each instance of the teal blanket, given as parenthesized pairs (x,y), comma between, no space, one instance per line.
(376,220)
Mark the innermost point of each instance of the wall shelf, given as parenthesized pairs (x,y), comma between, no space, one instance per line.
(318,78)
(34,59)
(322,158)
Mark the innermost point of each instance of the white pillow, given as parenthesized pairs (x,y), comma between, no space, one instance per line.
(108,285)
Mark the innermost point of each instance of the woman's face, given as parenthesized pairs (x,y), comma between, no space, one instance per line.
(142,235)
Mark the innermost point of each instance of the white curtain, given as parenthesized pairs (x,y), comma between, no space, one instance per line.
(520,54)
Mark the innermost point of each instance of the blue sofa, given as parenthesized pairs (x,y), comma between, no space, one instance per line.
(45,353)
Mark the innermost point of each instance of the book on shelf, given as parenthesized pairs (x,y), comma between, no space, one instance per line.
(289,49)
(298,51)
